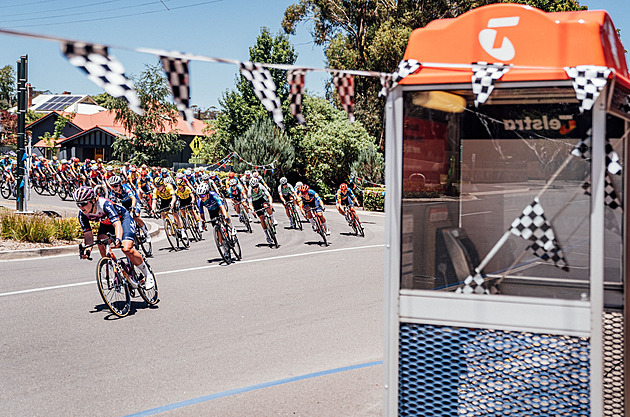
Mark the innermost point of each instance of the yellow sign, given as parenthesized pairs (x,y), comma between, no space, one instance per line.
(196,145)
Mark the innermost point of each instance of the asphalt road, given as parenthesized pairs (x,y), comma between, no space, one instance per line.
(290,331)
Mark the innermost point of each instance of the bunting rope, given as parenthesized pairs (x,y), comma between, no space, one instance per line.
(228,158)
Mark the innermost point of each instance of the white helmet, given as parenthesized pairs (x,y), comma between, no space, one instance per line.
(203,188)
(283,180)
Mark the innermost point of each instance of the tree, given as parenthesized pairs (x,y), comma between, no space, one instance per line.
(369,35)
(51,140)
(240,108)
(7,87)
(262,144)
(148,144)
(8,128)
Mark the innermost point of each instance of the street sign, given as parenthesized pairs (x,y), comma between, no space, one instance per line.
(195,145)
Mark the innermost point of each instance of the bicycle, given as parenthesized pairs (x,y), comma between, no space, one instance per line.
(185,228)
(117,280)
(271,229)
(170,228)
(8,188)
(140,241)
(319,227)
(226,242)
(243,217)
(294,215)
(190,223)
(353,221)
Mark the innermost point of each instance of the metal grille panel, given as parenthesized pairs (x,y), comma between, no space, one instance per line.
(613,364)
(451,371)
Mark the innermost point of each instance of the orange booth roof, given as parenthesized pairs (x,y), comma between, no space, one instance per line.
(538,44)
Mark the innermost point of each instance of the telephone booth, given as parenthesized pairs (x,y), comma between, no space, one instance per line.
(506,236)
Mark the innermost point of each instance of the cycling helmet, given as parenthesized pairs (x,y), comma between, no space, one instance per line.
(64,161)
(132,169)
(255,174)
(254,182)
(298,185)
(94,168)
(143,166)
(83,194)
(233,181)
(343,187)
(179,175)
(283,181)
(231,174)
(109,168)
(305,189)
(54,158)
(114,180)
(248,173)
(188,172)
(168,180)
(164,170)
(213,173)
(158,181)
(180,181)
(205,177)
(203,188)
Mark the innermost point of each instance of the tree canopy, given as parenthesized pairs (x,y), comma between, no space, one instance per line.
(7,87)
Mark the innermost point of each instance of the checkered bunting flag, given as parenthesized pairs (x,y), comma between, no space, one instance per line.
(583,149)
(265,89)
(611,199)
(295,78)
(484,77)
(588,81)
(612,159)
(103,70)
(532,225)
(345,87)
(176,70)
(389,81)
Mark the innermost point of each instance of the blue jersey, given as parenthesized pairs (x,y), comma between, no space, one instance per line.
(212,203)
(105,212)
(126,195)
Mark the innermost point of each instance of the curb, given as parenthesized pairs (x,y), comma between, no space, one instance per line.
(154,230)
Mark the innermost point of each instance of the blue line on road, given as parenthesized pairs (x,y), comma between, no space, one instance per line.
(236,391)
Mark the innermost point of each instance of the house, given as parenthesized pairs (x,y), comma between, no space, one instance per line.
(92,135)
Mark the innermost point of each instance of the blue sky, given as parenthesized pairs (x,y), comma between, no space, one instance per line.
(219,28)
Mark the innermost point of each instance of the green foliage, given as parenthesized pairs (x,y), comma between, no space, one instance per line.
(264,143)
(330,145)
(370,165)
(105,100)
(374,199)
(240,108)
(146,144)
(37,228)
(51,140)
(369,35)
(8,128)
(7,87)
(211,150)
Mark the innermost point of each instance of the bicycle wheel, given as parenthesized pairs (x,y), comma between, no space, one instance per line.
(37,186)
(219,231)
(113,287)
(357,225)
(296,218)
(5,190)
(141,237)
(271,229)
(235,247)
(149,296)
(171,233)
(246,222)
(192,225)
(320,230)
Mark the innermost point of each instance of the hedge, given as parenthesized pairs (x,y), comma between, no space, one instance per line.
(38,228)
(374,198)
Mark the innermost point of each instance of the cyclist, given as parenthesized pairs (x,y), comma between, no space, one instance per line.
(238,196)
(312,202)
(345,197)
(165,194)
(287,196)
(185,197)
(127,197)
(114,219)
(212,201)
(256,175)
(7,168)
(259,198)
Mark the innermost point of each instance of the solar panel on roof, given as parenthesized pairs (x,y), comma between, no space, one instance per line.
(58,103)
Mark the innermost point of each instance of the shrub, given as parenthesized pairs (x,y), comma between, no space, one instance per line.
(38,228)
(374,199)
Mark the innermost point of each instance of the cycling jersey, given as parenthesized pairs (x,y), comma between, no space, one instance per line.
(286,190)
(213,202)
(184,192)
(105,212)
(262,193)
(235,193)
(345,198)
(125,196)
(166,193)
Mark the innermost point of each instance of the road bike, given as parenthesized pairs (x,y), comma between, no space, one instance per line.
(353,221)
(243,217)
(140,241)
(319,227)
(7,187)
(226,242)
(170,228)
(118,279)
(190,224)
(271,228)
(294,214)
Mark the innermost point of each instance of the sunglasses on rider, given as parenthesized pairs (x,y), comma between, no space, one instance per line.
(83,204)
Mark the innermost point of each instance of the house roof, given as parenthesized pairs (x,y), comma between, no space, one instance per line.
(76,103)
(538,44)
(105,121)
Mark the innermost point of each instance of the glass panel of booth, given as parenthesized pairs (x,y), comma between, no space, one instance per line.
(502,188)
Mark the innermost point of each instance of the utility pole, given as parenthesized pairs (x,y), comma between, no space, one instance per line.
(22,179)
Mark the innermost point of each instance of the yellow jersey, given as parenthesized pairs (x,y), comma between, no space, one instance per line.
(183,192)
(166,194)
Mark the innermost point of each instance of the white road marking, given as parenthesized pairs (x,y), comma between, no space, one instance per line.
(271,258)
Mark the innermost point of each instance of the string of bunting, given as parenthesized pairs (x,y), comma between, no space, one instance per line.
(226,160)
(109,74)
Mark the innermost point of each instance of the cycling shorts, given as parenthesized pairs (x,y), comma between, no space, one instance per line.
(259,204)
(128,225)
(163,204)
(312,205)
(183,202)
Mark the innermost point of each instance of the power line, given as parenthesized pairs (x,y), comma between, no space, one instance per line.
(118,17)
(30,13)
(26,4)
(80,13)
